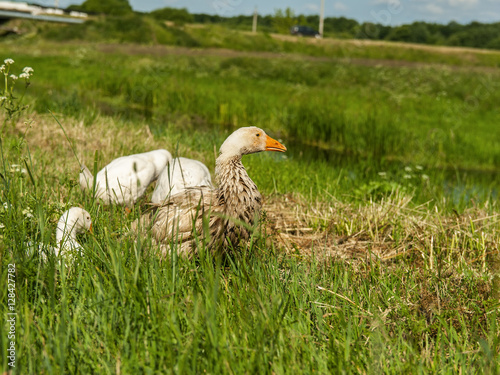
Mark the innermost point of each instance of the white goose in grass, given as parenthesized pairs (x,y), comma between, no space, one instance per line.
(125,180)
(222,216)
(180,174)
(72,222)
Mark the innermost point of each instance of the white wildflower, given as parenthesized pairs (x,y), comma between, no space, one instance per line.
(407,176)
(382,174)
(28,70)
(18,168)
(419,167)
(13,77)
(407,169)
(2,226)
(8,61)
(24,75)
(27,212)
(2,68)
(2,98)
(425,177)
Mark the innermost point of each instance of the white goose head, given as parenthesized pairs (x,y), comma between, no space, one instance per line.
(248,141)
(73,221)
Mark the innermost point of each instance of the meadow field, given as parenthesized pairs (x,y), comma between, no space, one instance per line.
(378,248)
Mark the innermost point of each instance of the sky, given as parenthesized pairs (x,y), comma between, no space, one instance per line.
(388,12)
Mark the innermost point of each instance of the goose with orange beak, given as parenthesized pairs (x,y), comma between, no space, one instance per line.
(220,217)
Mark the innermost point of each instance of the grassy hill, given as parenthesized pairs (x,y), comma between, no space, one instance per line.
(378,248)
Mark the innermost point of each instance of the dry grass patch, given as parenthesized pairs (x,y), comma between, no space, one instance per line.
(44,134)
(436,254)
(385,230)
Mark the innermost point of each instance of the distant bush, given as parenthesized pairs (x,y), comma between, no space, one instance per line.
(415,33)
(112,7)
(284,20)
(126,28)
(476,35)
(174,36)
(179,16)
(131,28)
(341,25)
(494,43)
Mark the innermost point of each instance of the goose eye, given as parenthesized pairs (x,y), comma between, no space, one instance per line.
(258,134)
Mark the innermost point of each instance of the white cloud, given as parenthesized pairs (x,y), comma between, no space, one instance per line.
(311,7)
(339,6)
(433,9)
(462,3)
(393,3)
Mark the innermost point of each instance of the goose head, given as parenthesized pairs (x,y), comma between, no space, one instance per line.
(248,141)
(75,220)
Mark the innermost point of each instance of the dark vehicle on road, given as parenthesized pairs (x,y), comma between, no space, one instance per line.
(304,31)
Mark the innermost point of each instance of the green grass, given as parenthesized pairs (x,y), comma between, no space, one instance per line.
(388,261)
(363,119)
(123,309)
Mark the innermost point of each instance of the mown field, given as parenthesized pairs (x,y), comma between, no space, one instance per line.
(377,251)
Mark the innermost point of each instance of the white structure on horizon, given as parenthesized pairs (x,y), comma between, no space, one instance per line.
(20,7)
(34,10)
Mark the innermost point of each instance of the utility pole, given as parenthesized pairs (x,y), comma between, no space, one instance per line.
(254,23)
(57,4)
(322,17)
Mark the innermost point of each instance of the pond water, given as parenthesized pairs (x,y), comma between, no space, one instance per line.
(461,185)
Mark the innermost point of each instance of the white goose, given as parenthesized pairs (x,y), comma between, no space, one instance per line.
(125,180)
(221,216)
(72,222)
(180,174)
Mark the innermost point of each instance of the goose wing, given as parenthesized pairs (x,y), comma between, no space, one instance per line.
(181,216)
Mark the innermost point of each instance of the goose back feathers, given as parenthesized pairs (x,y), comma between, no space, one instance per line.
(180,174)
(125,180)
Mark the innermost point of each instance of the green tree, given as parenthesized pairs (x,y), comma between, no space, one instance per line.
(369,30)
(180,16)
(284,20)
(476,35)
(341,25)
(417,32)
(494,43)
(112,7)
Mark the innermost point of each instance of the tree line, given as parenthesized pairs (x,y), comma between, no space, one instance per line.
(474,34)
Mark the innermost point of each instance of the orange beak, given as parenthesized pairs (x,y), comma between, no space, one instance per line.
(274,145)
(90,228)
